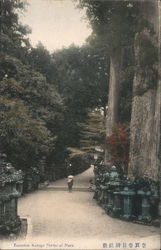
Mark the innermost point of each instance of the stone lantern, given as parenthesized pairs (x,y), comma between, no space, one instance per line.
(9,177)
(128,194)
(154,202)
(145,205)
(114,192)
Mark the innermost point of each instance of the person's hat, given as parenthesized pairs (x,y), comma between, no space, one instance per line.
(70,177)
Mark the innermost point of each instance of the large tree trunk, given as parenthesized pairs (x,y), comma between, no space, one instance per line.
(159,153)
(145,117)
(113,99)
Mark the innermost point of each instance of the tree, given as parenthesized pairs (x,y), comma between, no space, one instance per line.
(83,82)
(32,112)
(39,58)
(133,25)
(80,75)
(93,131)
(32,109)
(22,137)
(13,38)
(114,23)
(145,117)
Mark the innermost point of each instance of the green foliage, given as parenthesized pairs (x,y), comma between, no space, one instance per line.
(22,137)
(79,161)
(36,120)
(83,81)
(13,38)
(74,71)
(113,21)
(45,98)
(81,77)
(30,114)
(114,25)
(8,173)
(40,59)
(93,131)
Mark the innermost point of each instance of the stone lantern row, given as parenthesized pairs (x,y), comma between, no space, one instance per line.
(136,200)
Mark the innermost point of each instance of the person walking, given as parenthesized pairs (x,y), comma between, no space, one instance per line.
(70,182)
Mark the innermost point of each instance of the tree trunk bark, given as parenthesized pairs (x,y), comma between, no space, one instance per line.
(159,152)
(113,99)
(145,117)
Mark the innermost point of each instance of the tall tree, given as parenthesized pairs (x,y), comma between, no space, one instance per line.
(81,76)
(114,23)
(145,119)
(31,113)
(39,58)
(13,36)
(31,108)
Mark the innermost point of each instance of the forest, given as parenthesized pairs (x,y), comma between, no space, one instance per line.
(57,107)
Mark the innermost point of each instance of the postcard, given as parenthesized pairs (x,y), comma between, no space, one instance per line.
(80,150)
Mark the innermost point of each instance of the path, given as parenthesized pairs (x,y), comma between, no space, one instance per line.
(59,219)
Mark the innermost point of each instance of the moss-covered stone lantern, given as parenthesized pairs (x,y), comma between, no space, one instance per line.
(114,195)
(9,177)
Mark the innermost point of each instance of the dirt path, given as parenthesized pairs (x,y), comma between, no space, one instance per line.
(63,220)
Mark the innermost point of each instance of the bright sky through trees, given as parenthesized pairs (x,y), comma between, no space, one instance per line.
(56,23)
